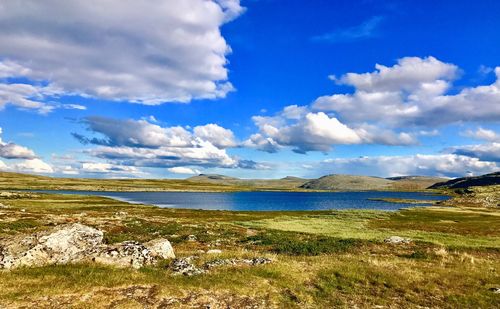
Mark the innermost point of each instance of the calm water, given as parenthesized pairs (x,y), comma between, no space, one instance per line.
(262,201)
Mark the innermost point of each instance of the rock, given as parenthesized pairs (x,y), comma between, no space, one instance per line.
(15,195)
(184,266)
(192,238)
(397,240)
(69,243)
(121,214)
(125,254)
(214,251)
(237,262)
(495,290)
(3,206)
(161,248)
(75,242)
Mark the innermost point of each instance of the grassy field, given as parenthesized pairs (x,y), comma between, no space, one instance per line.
(320,259)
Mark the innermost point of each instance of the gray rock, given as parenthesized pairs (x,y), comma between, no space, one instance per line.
(73,243)
(237,262)
(161,248)
(69,243)
(192,238)
(185,266)
(397,240)
(126,254)
(214,251)
(495,290)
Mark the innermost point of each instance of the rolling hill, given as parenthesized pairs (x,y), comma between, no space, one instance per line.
(348,183)
(465,182)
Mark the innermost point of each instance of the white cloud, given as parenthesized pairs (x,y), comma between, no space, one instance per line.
(483,134)
(135,133)
(32,166)
(305,131)
(149,52)
(183,170)
(434,132)
(447,165)
(107,168)
(218,136)
(13,151)
(486,152)
(140,143)
(412,92)
(201,153)
(31,97)
(68,170)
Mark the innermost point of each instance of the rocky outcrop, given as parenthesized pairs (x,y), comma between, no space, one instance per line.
(186,267)
(237,262)
(74,243)
(127,253)
(70,243)
(397,240)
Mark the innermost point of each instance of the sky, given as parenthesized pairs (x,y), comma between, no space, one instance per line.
(250,89)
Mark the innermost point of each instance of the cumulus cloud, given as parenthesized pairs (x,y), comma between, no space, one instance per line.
(25,159)
(304,130)
(108,168)
(200,154)
(147,52)
(412,93)
(183,170)
(32,166)
(483,134)
(143,144)
(134,133)
(10,150)
(446,165)
(487,152)
(217,135)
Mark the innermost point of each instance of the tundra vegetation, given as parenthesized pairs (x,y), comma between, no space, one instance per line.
(446,256)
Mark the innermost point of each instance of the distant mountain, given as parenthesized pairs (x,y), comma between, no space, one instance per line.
(348,183)
(414,182)
(286,183)
(211,177)
(465,182)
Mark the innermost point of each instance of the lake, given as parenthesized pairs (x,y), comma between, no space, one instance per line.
(266,201)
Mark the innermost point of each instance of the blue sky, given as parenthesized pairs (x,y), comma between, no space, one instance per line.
(260,89)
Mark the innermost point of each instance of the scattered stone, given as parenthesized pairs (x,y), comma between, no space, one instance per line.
(3,206)
(23,210)
(161,248)
(121,214)
(214,251)
(14,195)
(192,238)
(495,290)
(237,262)
(185,266)
(397,240)
(127,253)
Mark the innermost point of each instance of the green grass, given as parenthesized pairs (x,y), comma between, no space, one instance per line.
(422,224)
(301,244)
